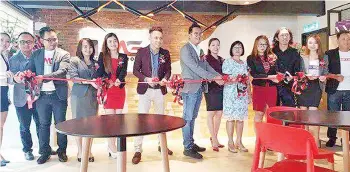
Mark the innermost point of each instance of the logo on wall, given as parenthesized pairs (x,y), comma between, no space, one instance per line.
(130,40)
(129,48)
(342,25)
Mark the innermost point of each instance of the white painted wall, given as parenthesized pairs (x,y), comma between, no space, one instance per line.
(247,28)
(24,23)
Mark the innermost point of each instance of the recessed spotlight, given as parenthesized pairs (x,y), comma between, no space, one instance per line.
(246,3)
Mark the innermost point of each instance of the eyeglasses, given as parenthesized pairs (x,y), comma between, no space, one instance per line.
(237,48)
(23,42)
(262,45)
(50,40)
(285,35)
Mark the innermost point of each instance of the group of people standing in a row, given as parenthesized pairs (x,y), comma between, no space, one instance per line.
(53,62)
(322,69)
(229,99)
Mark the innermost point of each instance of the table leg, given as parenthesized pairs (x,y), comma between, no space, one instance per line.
(164,152)
(345,136)
(121,154)
(85,154)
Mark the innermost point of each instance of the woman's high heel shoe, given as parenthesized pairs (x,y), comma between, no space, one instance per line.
(215,148)
(112,154)
(233,149)
(220,145)
(241,148)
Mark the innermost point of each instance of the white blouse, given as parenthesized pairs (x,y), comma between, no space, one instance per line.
(3,70)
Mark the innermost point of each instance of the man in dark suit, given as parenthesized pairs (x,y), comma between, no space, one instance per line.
(338,87)
(152,63)
(50,62)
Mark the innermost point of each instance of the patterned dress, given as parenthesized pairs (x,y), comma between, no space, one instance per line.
(235,107)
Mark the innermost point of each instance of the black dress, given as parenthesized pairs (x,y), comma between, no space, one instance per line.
(311,96)
(214,97)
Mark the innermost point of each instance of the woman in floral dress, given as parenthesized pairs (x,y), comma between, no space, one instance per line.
(236,96)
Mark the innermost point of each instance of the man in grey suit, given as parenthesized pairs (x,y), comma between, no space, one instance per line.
(194,67)
(50,62)
(18,64)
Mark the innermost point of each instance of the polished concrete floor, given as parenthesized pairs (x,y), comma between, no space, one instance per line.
(222,161)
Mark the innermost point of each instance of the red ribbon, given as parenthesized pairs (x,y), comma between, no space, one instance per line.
(102,87)
(242,79)
(30,87)
(300,83)
(176,83)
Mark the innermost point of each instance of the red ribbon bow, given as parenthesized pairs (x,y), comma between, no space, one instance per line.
(300,83)
(102,87)
(322,63)
(242,79)
(30,87)
(176,83)
(226,78)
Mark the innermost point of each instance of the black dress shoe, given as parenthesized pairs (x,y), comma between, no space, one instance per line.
(43,158)
(169,151)
(193,154)
(2,164)
(330,143)
(62,156)
(198,149)
(53,152)
(29,156)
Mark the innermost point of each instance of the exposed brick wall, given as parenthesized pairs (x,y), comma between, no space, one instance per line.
(175,27)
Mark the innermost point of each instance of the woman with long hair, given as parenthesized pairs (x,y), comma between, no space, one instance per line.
(115,65)
(4,75)
(261,63)
(315,66)
(214,97)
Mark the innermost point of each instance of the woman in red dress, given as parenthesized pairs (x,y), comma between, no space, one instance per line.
(115,65)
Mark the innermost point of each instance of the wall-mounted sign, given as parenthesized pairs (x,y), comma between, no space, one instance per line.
(130,40)
(342,25)
(311,27)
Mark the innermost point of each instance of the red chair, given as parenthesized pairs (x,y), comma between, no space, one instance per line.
(322,153)
(286,140)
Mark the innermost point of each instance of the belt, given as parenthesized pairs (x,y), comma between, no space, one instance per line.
(47,92)
(155,87)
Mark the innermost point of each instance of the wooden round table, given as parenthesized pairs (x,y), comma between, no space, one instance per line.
(339,120)
(121,126)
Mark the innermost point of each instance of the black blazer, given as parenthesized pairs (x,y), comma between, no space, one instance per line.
(334,68)
(257,71)
(121,71)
